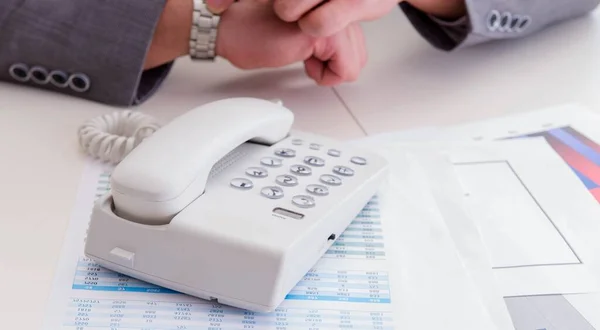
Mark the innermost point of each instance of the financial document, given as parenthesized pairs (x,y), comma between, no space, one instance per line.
(571,132)
(384,272)
(348,288)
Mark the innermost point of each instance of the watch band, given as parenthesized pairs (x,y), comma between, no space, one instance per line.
(203,35)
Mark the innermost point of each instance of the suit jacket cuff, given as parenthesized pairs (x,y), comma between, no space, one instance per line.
(149,82)
(442,34)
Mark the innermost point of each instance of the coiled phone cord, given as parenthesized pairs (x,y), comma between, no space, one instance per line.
(112,136)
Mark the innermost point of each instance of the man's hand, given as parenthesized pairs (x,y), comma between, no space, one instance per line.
(252,36)
(321,18)
(326,17)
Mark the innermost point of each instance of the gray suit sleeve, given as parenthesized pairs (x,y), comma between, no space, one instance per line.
(488,20)
(92,49)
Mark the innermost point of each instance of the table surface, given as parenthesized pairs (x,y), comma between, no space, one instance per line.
(406,84)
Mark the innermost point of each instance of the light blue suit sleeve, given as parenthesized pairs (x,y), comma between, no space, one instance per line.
(489,20)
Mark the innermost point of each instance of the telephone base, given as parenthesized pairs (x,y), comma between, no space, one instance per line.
(245,231)
(181,288)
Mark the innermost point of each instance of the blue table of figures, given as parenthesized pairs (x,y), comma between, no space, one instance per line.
(325,285)
(146,315)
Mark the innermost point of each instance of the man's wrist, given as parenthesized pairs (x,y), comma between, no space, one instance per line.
(172,35)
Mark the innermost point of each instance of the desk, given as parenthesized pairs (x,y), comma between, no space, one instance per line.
(41,164)
(408,84)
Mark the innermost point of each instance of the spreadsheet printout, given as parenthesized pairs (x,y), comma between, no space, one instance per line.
(348,288)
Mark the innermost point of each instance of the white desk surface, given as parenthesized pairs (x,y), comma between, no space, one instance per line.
(407,84)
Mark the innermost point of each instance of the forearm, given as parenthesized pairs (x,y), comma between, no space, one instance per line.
(171,37)
(446,9)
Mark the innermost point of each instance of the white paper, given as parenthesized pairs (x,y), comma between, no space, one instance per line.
(437,176)
(583,308)
(438,291)
(370,279)
(558,214)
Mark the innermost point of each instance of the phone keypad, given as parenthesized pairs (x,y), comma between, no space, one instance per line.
(301,170)
(358,160)
(287,153)
(306,158)
(343,170)
(242,183)
(257,172)
(303,201)
(314,161)
(317,189)
(331,180)
(271,162)
(272,192)
(315,146)
(287,180)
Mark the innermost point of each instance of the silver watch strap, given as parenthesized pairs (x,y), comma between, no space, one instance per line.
(204,32)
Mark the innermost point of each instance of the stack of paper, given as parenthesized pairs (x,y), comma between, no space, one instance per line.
(493,225)
(519,196)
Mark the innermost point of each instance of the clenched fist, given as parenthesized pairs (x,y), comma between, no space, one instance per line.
(252,36)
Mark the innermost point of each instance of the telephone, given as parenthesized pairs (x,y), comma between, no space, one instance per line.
(226,203)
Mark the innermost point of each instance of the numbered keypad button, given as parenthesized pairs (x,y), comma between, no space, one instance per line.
(314,161)
(272,192)
(331,180)
(334,153)
(285,152)
(359,160)
(297,142)
(317,189)
(315,146)
(303,201)
(300,170)
(257,172)
(242,183)
(271,161)
(343,170)
(287,180)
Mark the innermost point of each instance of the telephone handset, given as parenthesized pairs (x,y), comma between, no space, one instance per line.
(226,203)
(178,158)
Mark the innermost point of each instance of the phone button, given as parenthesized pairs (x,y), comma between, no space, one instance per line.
(271,162)
(317,189)
(288,153)
(286,180)
(343,170)
(315,146)
(303,201)
(241,183)
(300,169)
(297,142)
(257,172)
(334,153)
(272,192)
(314,161)
(331,180)
(359,160)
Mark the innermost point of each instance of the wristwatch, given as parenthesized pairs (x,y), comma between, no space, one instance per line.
(203,35)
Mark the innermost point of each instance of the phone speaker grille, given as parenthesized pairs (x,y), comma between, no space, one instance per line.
(229,159)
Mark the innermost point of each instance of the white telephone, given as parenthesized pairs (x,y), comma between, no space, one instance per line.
(224,204)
